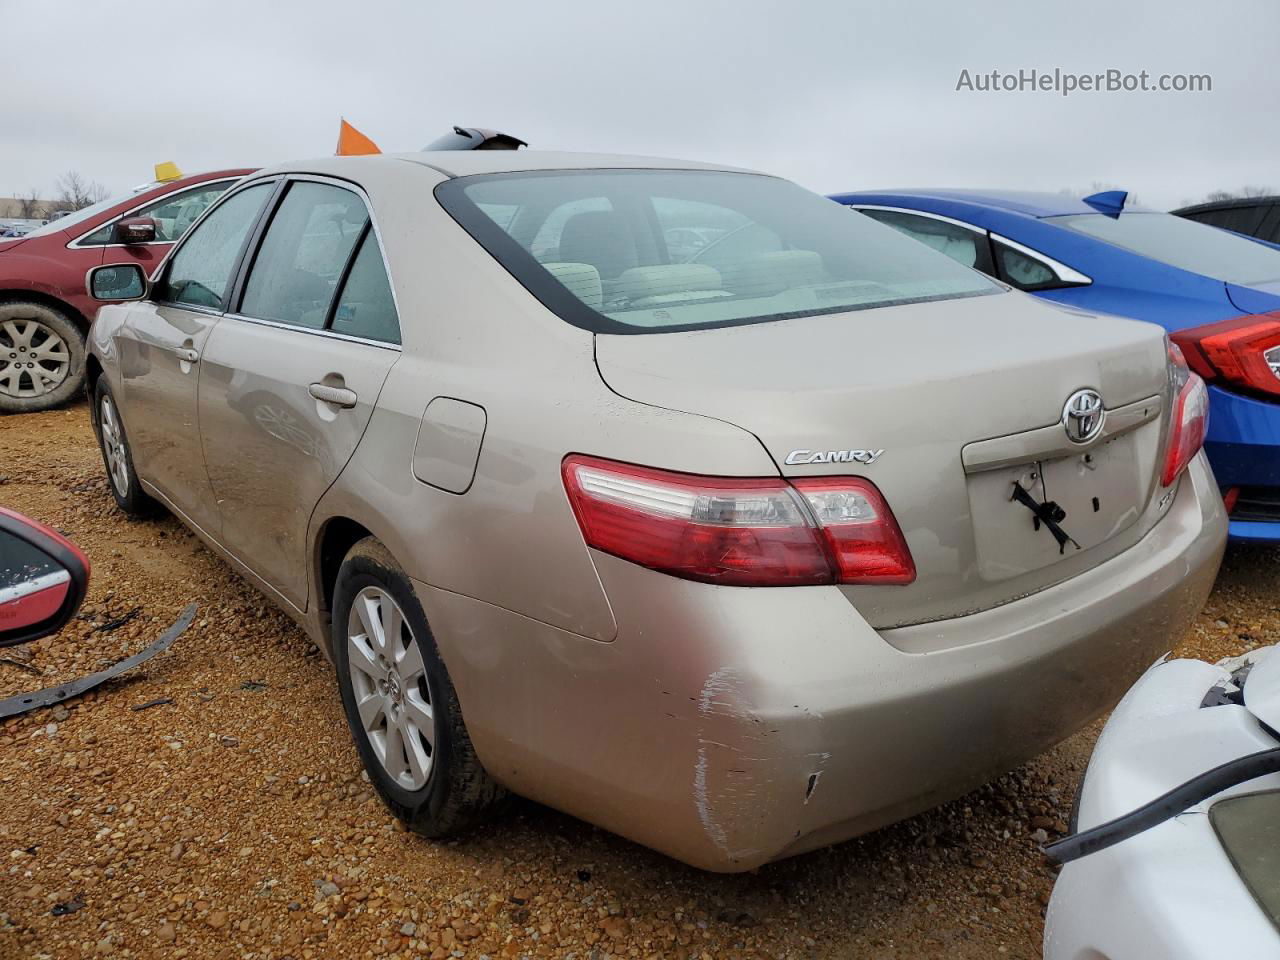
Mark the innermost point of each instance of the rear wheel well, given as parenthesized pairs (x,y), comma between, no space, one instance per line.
(339,535)
(35,296)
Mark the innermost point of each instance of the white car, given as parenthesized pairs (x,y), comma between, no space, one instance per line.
(1178,854)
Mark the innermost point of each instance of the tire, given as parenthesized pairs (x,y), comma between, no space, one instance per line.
(122,479)
(41,357)
(449,792)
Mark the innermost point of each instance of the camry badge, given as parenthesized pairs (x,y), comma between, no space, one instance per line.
(1083,415)
(833,456)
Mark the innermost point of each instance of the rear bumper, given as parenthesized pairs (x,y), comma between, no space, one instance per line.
(1244,448)
(728,727)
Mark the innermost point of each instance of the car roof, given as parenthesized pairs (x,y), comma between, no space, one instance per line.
(1027,202)
(463,163)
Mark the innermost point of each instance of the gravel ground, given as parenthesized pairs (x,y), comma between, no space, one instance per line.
(232,820)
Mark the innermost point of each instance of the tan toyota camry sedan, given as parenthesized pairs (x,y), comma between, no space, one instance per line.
(675,497)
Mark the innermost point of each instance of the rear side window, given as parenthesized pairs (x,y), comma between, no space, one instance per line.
(201,269)
(1022,271)
(964,246)
(312,235)
(643,251)
(366,308)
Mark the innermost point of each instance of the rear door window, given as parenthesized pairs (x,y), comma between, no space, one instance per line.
(965,246)
(303,253)
(200,271)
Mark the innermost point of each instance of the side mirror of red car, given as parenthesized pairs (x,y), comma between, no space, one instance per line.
(43,579)
(134,230)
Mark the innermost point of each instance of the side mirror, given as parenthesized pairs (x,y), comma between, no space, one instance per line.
(134,230)
(118,281)
(43,579)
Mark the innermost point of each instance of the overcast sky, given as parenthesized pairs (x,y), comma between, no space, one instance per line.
(837,94)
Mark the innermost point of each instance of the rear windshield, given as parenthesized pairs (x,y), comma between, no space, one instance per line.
(642,251)
(1182,243)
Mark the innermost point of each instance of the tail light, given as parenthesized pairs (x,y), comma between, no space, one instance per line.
(1244,351)
(1229,498)
(1190,419)
(740,532)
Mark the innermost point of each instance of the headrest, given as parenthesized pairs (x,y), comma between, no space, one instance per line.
(600,238)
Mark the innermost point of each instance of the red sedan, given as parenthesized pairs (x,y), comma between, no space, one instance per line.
(45,310)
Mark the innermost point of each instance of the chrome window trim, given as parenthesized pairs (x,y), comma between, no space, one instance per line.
(920,213)
(314,331)
(1065,273)
(77,245)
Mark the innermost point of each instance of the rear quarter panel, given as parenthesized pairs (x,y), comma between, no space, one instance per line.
(472,333)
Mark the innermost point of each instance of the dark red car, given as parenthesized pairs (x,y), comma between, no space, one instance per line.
(45,310)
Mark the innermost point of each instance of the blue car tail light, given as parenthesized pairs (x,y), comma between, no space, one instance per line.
(1243,351)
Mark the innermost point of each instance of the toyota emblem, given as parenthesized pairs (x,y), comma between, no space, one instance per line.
(1083,415)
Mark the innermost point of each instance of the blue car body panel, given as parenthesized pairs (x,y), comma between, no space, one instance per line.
(1243,442)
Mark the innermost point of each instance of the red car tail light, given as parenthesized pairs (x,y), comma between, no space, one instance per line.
(738,531)
(861,532)
(1190,418)
(1244,351)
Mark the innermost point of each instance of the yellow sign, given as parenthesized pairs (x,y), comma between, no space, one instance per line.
(167,172)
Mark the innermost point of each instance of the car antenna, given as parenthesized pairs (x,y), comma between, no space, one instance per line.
(1110,202)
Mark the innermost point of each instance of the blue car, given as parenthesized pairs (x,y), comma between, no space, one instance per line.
(1216,292)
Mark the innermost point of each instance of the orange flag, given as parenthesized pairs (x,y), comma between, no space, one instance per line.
(353,143)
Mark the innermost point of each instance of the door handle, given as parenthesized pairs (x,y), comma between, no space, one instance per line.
(187,354)
(338,396)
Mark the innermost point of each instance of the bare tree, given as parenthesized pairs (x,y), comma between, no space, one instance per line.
(1244,193)
(30,206)
(76,192)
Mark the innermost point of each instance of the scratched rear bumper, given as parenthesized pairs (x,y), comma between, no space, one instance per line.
(728,727)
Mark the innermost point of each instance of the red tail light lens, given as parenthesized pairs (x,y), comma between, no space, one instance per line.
(740,532)
(861,532)
(1244,351)
(1190,420)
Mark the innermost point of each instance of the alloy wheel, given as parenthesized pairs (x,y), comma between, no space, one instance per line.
(389,681)
(34,358)
(113,446)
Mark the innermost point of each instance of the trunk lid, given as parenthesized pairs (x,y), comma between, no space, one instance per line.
(944,406)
